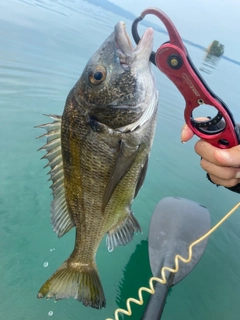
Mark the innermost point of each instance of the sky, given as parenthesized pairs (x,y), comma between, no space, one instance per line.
(199,21)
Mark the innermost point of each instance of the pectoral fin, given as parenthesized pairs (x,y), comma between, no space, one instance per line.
(122,165)
(141,177)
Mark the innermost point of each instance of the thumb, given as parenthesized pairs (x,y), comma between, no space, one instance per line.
(228,157)
(187,133)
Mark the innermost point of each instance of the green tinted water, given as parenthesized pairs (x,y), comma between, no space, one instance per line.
(44,48)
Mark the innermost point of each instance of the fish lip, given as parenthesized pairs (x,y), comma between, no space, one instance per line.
(123,41)
(126,52)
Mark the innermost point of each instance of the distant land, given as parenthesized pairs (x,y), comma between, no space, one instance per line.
(109,6)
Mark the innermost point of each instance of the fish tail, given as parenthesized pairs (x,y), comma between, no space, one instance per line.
(73,279)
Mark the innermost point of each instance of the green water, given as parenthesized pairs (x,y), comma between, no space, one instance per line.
(44,46)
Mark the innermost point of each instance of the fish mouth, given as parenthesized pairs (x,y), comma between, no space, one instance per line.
(136,60)
(126,52)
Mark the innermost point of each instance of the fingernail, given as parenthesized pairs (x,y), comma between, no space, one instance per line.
(181,138)
(182,135)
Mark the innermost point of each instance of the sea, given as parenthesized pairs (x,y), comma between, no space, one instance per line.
(44,46)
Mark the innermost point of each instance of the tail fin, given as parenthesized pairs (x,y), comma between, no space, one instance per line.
(76,280)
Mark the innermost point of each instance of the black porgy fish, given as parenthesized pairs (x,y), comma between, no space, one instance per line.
(98,153)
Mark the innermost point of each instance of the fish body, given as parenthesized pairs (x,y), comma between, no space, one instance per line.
(98,154)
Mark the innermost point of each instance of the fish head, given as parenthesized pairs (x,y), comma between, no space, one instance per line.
(117,86)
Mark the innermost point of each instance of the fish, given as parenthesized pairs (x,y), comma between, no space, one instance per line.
(98,153)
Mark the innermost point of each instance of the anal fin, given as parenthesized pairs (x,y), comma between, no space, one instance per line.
(123,234)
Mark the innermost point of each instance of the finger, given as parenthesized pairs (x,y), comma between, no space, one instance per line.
(224,173)
(207,151)
(226,183)
(221,157)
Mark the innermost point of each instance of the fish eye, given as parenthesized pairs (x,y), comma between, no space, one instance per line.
(98,75)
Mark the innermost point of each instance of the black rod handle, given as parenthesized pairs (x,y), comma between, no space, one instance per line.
(156,302)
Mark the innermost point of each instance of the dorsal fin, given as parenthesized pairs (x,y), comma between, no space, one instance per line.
(60,217)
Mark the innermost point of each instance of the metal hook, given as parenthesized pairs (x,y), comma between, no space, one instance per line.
(171,29)
(137,38)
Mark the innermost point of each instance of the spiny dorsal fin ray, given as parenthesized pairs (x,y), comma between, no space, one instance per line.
(50,135)
(60,217)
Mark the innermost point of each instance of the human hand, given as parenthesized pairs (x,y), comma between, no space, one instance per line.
(222,165)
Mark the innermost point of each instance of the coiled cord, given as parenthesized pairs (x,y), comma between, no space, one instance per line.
(163,280)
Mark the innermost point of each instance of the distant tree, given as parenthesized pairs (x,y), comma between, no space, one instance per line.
(216,49)
(221,48)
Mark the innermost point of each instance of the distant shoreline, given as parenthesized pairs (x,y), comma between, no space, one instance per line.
(109,6)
